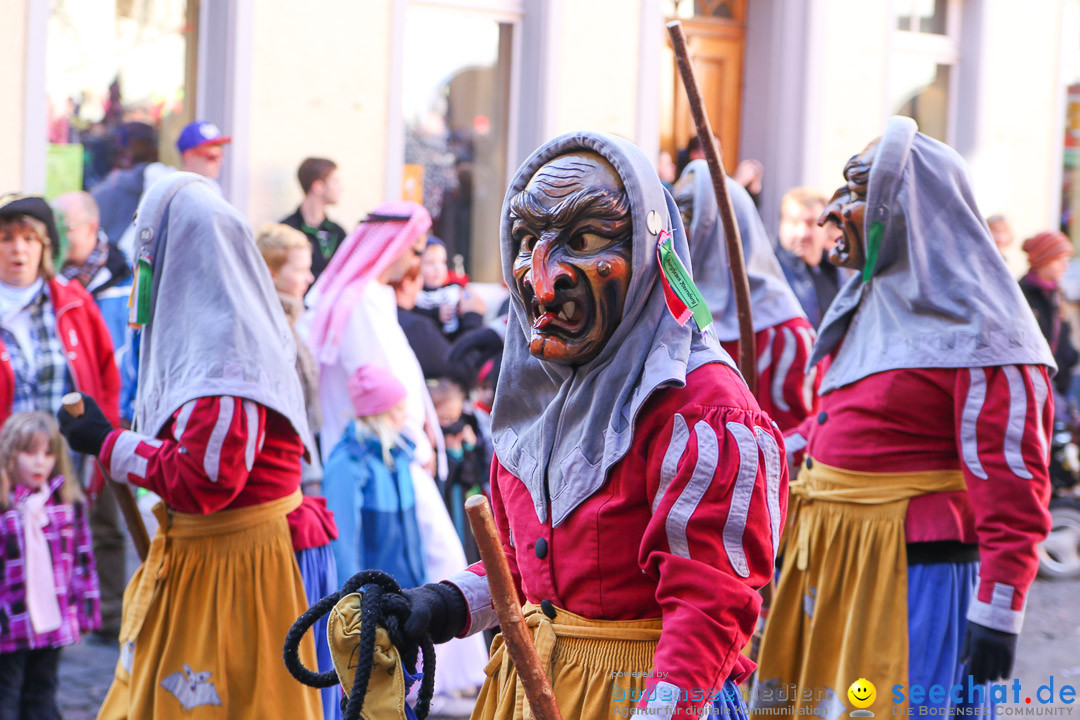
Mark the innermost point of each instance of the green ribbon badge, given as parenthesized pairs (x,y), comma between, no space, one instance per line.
(678,280)
(140,294)
(873,245)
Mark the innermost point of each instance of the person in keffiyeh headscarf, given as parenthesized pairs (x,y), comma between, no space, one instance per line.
(219,432)
(624,440)
(353,323)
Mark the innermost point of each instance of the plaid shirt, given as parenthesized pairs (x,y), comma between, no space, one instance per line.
(68,535)
(42,387)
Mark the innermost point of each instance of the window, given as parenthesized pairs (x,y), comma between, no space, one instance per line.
(923,71)
(922,16)
(457,127)
(734,10)
(109,62)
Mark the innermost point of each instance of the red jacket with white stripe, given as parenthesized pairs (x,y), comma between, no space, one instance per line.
(786,390)
(993,424)
(88,346)
(221,453)
(685,529)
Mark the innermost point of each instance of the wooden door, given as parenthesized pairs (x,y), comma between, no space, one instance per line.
(716,49)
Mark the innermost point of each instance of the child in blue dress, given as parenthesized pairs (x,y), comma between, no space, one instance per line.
(368,484)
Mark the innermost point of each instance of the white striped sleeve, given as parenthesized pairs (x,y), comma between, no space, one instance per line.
(783,367)
(212,457)
(770,451)
(998,613)
(806,336)
(1042,391)
(251,420)
(1014,430)
(708,456)
(221,435)
(129,457)
(680,436)
(182,418)
(969,439)
(478,599)
(741,493)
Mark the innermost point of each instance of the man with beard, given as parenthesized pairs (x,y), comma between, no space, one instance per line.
(623,441)
(928,456)
(787,389)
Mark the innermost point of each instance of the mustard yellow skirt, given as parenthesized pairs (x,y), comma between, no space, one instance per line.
(205,619)
(597,668)
(840,610)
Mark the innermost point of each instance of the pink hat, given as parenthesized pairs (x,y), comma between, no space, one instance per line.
(374,390)
(1046,247)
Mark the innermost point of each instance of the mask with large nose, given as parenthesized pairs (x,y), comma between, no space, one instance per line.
(847,210)
(573,231)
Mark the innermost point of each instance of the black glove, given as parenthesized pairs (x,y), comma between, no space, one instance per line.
(438,609)
(85,434)
(989,653)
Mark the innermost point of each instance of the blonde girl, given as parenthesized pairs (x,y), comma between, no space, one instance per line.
(368,483)
(48,587)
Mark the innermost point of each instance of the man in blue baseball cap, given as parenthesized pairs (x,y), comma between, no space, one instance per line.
(200,145)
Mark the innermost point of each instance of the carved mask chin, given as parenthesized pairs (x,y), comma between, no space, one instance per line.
(847,210)
(574,234)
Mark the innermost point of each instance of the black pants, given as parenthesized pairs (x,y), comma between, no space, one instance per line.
(28,681)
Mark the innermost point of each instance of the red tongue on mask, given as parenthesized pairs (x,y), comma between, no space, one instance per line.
(544,320)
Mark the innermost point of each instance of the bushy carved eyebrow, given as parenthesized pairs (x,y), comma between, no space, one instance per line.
(600,204)
(857,172)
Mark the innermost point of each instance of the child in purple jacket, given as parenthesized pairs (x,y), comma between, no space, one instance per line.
(48,586)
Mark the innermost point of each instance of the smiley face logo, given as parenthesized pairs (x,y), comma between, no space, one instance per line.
(862,693)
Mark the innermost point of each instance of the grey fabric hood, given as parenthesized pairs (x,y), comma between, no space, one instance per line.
(573,423)
(771,298)
(216,325)
(940,295)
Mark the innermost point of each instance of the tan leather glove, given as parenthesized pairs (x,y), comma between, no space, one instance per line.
(385,697)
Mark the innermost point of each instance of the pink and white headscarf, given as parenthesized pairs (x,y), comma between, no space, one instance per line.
(365,253)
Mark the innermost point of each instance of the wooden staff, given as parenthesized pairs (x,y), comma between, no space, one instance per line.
(73,403)
(508,609)
(747,349)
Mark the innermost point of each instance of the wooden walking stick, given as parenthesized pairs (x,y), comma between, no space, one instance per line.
(73,403)
(508,609)
(747,348)
(747,343)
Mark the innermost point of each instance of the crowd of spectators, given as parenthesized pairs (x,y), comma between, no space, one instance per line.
(398,355)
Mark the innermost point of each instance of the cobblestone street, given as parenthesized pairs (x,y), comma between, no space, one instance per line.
(1050,643)
(1049,646)
(85,673)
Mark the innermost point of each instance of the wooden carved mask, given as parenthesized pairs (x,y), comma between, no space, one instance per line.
(574,235)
